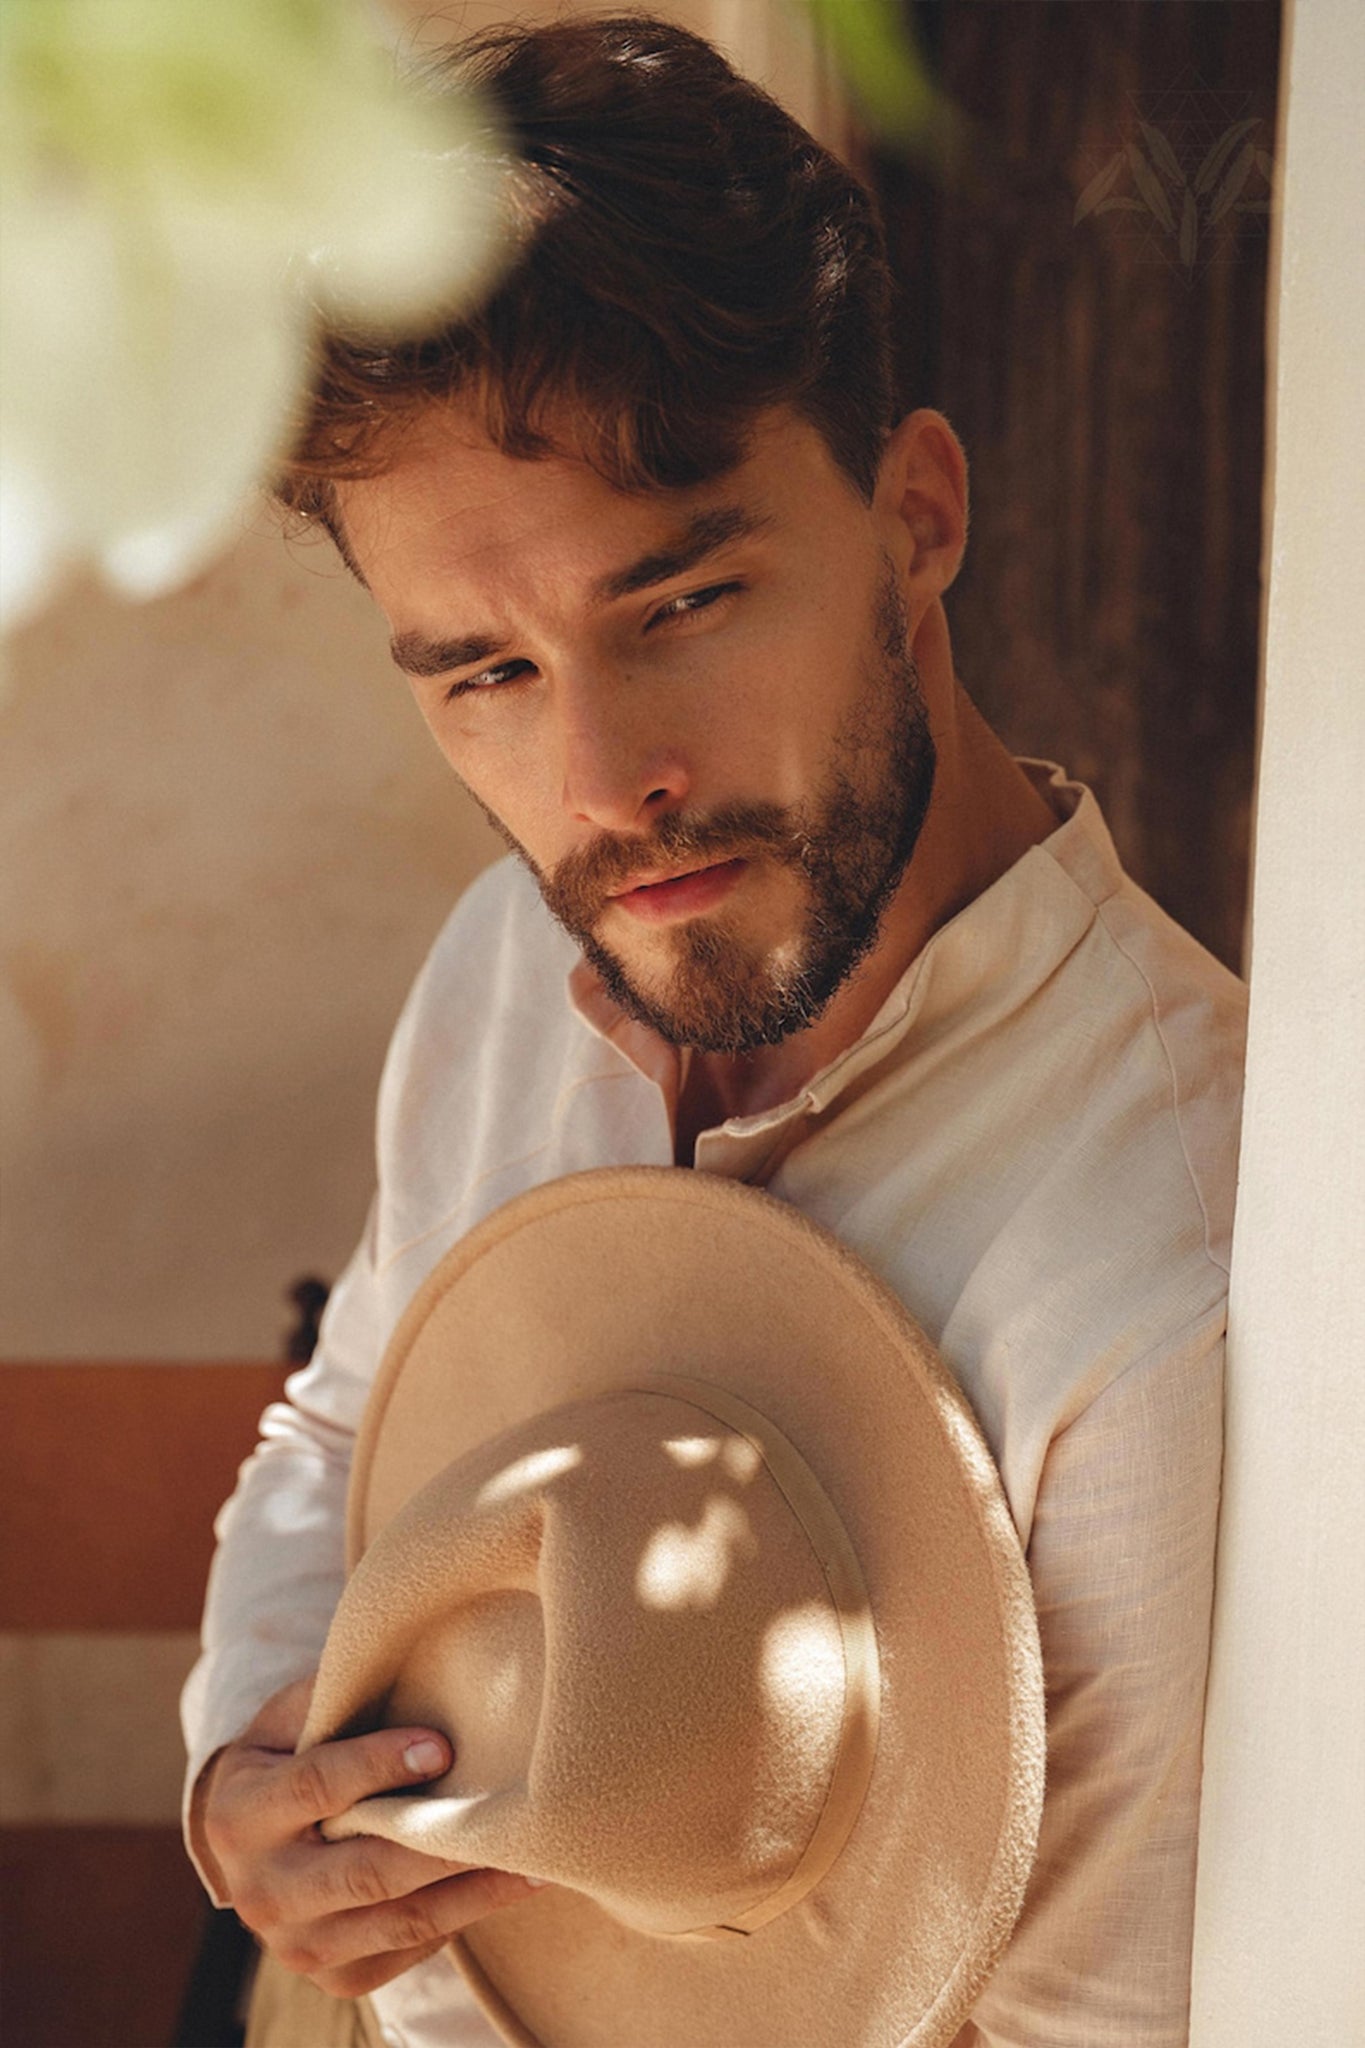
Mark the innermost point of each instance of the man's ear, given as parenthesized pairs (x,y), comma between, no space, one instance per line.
(921,504)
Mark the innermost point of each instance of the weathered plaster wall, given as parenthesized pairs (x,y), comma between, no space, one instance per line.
(225,845)
(225,842)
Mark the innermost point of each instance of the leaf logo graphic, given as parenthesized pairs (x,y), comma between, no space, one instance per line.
(1161,153)
(1219,154)
(1232,184)
(1097,190)
(1218,184)
(1151,188)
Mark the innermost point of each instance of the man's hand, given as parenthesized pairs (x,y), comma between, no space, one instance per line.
(349,1915)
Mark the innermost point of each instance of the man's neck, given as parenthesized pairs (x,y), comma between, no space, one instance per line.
(984,814)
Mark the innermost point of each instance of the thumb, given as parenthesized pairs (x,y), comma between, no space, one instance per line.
(279,1723)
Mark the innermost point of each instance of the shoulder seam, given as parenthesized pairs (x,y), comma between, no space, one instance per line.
(1208,1323)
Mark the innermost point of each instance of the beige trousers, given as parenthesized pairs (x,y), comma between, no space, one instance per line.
(289,2012)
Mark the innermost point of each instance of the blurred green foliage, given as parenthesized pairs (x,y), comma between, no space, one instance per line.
(874,47)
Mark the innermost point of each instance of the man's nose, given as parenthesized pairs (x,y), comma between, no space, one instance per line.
(621,771)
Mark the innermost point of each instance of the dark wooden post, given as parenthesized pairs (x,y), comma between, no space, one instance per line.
(1084,297)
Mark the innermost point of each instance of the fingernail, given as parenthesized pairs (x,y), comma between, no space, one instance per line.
(425,1757)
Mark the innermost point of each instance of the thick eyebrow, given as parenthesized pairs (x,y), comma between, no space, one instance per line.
(705,534)
(418,656)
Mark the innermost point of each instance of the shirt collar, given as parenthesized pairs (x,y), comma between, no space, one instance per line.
(984,962)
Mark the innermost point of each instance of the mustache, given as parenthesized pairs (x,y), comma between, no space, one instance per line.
(577,889)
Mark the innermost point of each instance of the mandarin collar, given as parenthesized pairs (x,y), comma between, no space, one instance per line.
(983,963)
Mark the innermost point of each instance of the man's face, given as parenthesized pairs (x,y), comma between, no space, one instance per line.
(693,713)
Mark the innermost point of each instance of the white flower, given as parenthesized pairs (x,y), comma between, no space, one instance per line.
(181,186)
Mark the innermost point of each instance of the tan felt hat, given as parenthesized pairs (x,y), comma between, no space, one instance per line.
(665,1511)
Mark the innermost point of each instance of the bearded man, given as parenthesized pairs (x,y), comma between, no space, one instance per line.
(667,577)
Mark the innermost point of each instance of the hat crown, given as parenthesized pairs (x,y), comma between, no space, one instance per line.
(613,1611)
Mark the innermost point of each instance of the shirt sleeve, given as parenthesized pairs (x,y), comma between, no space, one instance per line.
(279,1567)
(280,1564)
(1122,1557)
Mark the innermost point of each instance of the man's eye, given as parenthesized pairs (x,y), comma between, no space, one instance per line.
(488,679)
(693,601)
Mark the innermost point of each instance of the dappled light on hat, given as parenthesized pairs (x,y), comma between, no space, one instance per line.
(684,1567)
(691,1450)
(524,1475)
(604,1628)
(739,1458)
(802,1655)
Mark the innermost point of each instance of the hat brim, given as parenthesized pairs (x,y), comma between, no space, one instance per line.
(578,1288)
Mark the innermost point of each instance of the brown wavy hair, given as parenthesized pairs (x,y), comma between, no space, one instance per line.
(687,257)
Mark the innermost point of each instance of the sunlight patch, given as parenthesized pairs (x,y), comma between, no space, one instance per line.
(684,1567)
(538,1468)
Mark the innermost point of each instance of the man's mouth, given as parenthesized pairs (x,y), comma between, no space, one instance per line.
(659,898)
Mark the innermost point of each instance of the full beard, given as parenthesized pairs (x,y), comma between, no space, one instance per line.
(849,848)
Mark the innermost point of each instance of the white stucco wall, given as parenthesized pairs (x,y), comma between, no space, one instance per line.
(1279,1953)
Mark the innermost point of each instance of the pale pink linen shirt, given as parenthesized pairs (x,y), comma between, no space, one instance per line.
(1035,1144)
